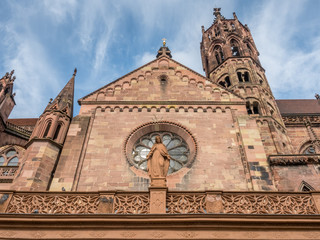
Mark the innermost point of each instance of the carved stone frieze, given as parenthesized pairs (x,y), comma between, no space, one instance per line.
(130,203)
(159,201)
(298,120)
(301,159)
(186,203)
(268,204)
(53,204)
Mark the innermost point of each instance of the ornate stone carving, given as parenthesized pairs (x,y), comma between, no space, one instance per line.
(188,235)
(51,204)
(158,235)
(268,204)
(186,203)
(131,203)
(128,234)
(301,159)
(300,120)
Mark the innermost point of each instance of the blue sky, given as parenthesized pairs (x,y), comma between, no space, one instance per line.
(45,40)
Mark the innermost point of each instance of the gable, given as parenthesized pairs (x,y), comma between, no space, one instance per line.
(162,79)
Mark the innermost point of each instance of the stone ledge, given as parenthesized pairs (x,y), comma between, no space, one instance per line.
(298,159)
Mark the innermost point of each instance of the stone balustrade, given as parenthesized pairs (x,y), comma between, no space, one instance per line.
(19,129)
(159,200)
(7,173)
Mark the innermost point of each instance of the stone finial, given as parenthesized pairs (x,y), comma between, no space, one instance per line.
(317,97)
(50,101)
(75,72)
(235,16)
(164,42)
(216,12)
(202,29)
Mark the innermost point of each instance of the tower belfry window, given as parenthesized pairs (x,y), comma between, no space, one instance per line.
(218,54)
(234,48)
(243,76)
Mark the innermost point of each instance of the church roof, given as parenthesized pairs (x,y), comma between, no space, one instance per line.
(298,106)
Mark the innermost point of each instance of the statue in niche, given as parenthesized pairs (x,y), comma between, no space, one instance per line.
(158,163)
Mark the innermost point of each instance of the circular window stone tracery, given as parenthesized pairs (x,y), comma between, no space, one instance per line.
(177,148)
(179,141)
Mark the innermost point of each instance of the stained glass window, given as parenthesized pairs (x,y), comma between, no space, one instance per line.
(176,146)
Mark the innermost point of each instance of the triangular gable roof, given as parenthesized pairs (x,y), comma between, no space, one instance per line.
(150,63)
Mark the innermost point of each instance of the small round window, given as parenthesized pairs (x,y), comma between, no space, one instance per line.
(177,147)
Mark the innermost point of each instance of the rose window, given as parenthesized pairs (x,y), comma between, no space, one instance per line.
(176,146)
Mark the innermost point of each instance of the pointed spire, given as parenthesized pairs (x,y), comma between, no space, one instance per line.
(64,101)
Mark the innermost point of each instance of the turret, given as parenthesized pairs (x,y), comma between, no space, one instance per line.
(43,149)
(55,120)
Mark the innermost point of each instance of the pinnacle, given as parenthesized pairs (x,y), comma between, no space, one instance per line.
(64,101)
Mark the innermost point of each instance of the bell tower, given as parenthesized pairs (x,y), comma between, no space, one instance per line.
(230,59)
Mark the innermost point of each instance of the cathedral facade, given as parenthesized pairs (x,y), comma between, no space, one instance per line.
(243,165)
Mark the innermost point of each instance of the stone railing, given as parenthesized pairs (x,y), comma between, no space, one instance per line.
(18,129)
(160,201)
(298,159)
(7,173)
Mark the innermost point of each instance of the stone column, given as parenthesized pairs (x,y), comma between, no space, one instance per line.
(158,197)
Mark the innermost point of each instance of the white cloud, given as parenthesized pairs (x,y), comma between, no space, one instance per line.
(28,57)
(59,9)
(291,70)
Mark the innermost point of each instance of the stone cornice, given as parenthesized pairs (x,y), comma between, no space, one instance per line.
(35,139)
(157,103)
(298,159)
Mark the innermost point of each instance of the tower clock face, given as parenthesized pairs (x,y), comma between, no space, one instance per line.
(178,150)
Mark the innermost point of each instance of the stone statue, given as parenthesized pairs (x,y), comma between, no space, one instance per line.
(158,163)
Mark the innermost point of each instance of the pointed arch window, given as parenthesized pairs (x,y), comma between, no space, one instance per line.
(56,134)
(218,54)
(47,130)
(9,157)
(235,48)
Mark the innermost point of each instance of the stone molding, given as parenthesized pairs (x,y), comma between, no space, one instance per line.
(159,226)
(157,103)
(298,159)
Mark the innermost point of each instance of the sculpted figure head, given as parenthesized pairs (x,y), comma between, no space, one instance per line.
(158,139)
